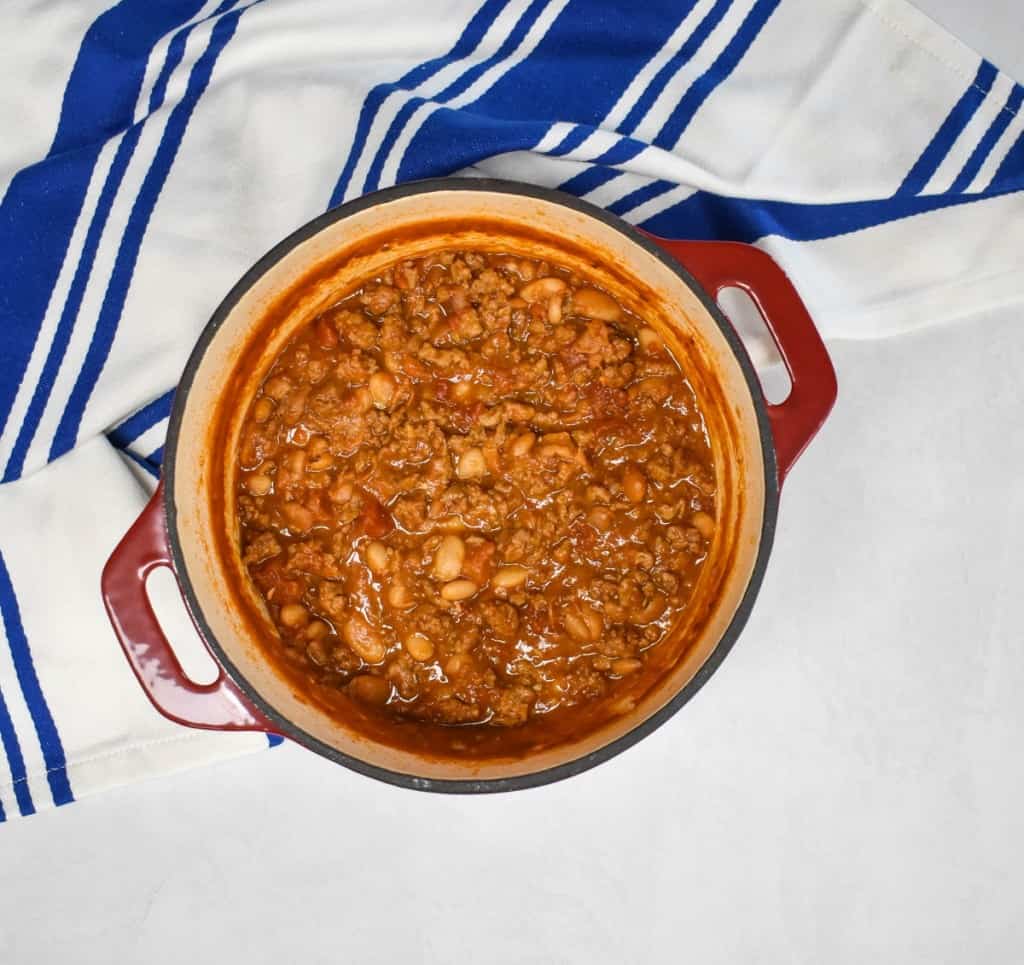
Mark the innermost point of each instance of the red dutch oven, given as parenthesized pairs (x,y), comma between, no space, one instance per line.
(189,523)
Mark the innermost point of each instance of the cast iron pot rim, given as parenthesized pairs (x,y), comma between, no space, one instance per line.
(534,778)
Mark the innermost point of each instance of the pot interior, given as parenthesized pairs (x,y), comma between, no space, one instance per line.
(313,269)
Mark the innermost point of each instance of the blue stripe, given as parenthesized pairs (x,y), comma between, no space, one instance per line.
(467,42)
(682,56)
(622,151)
(274,740)
(725,63)
(394,129)
(460,138)
(15,760)
(988,141)
(704,216)
(156,457)
(458,86)
(572,140)
(175,53)
(1011,171)
(76,291)
(3,815)
(153,471)
(640,195)
(950,129)
(589,180)
(24,668)
(619,153)
(366,117)
(128,251)
(43,202)
(126,432)
(515,37)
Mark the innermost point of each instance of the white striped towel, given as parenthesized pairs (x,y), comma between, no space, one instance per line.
(161,148)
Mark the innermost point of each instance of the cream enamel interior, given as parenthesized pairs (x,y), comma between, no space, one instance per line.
(667,302)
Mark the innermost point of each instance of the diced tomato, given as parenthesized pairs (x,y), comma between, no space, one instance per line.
(479,561)
(374,520)
(277,587)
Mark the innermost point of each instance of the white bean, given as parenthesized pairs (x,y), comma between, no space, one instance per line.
(634,484)
(399,597)
(262,410)
(458,590)
(419,647)
(377,555)
(650,340)
(472,464)
(704,524)
(364,639)
(625,666)
(583,622)
(258,485)
(449,558)
(294,615)
(537,291)
(370,689)
(507,577)
(277,388)
(522,444)
(317,630)
(596,304)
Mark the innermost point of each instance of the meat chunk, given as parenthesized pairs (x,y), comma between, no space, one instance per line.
(379,298)
(261,547)
(512,706)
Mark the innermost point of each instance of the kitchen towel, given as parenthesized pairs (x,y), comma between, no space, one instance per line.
(153,151)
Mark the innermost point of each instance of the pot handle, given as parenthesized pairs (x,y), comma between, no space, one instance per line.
(219,705)
(722,264)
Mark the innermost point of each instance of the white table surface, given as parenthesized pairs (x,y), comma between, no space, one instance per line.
(848,788)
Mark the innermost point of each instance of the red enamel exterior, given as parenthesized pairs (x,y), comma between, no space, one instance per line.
(215,706)
(724,264)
